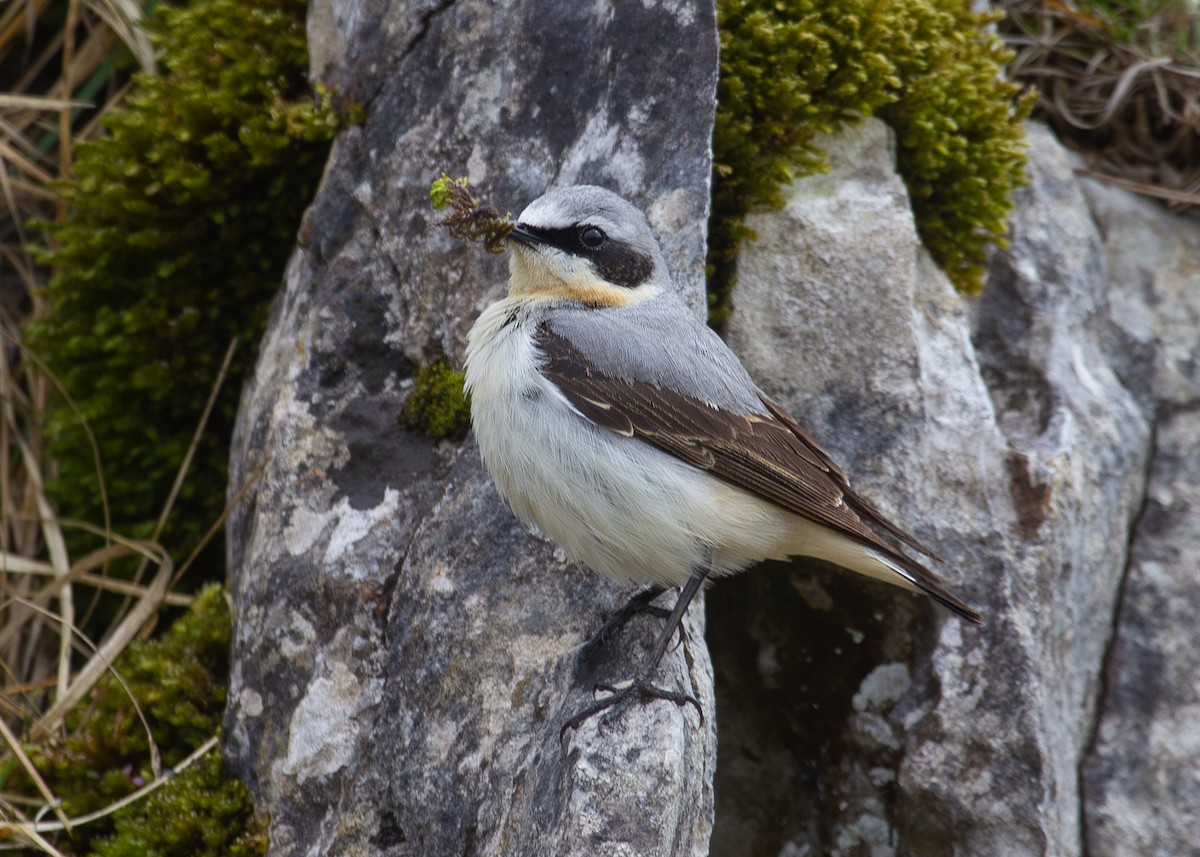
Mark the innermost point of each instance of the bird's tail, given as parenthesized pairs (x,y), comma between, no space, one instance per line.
(893,567)
(920,579)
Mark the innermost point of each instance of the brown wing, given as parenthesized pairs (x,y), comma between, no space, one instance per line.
(767,454)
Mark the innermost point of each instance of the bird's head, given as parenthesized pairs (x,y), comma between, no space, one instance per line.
(585,243)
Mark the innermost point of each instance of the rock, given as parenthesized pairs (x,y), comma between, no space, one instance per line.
(1140,781)
(1142,793)
(1000,434)
(404,651)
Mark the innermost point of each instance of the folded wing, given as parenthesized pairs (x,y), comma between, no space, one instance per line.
(766,454)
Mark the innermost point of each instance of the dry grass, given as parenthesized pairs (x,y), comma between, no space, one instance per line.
(63,81)
(1119,80)
(48,663)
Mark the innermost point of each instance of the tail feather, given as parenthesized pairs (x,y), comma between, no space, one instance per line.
(924,580)
(881,563)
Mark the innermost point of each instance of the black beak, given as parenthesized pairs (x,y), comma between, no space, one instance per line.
(522,235)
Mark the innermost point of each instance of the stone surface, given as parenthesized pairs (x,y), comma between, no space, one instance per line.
(405,651)
(1002,433)
(1142,778)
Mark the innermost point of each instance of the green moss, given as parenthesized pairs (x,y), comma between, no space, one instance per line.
(179,682)
(960,144)
(180,221)
(793,69)
(203,811)
(437,405)
(443,188)
(468,218)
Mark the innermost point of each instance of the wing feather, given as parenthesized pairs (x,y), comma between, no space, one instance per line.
(766,454)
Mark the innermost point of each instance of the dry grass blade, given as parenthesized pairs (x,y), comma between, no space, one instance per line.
(11,563)
(78,571)
(216,526)
(1175,196)
(157,783)
(98,653)
(33,102)
(27,764)
(1118,81)
(142,611)
(54,542)
(124,587)
(197,436)
(18,19)
(17,161)
(56,547)
(123,18)
(44,376)
(28,832)
(61,80)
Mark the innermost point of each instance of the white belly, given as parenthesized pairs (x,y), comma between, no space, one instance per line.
(617,504)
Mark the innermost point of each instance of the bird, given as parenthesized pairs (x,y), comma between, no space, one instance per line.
(624,428)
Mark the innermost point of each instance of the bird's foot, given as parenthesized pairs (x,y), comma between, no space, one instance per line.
(639,605)
(620,696)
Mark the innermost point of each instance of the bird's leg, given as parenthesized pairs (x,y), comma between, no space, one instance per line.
(640,603)
(640,686)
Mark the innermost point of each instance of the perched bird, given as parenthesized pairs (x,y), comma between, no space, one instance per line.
(631,435)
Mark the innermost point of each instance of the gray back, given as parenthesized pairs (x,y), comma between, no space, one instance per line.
(659,342)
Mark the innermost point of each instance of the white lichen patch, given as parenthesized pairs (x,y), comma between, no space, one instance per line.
(882,688)
(868,834)
(303,530)
(671,212)
(881,777)
(873,729)
(685,13)
(441,738)
(323,731)
(299,638)
(768,664)
(439,580)
(353,524)
(483,92)
(251,702)
(602,142)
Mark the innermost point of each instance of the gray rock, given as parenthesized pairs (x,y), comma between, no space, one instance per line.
(1140,781)
(1152,305)
(404,651)
(1141,787)
(1001,435)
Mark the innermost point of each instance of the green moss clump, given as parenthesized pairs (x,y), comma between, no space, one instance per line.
(793,69)
(179,681)
(789,71)
(960,144)
(180,222)
(469,219)
(203,811)
(437,405)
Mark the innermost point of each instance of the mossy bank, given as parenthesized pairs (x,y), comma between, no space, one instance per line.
(793,69)
(180,221)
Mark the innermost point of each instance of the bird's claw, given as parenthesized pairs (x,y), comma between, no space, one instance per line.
(620,696)
(640,604)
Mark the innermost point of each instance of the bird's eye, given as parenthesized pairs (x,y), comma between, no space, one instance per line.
(592,237)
